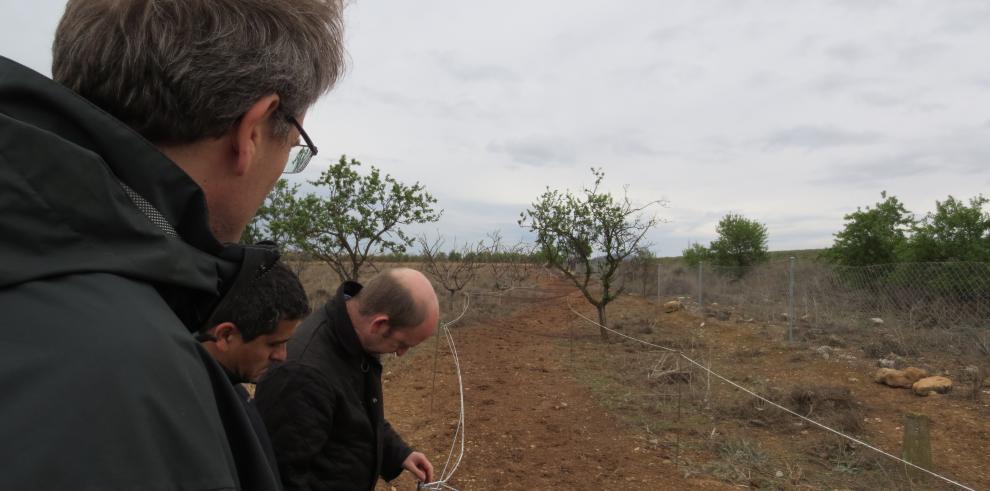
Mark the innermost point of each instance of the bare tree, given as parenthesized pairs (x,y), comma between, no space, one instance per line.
(523,265)
(453,271)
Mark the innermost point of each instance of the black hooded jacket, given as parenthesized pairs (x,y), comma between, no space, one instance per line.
(107,264)
(323,407)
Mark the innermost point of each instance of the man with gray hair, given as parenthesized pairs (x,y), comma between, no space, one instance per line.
(123,188)
(323,407)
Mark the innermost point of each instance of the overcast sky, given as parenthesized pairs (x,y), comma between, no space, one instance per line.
(791,113)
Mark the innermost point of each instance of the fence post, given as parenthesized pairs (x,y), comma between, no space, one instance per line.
(701,290)
(917,444)
(658,282)
(790,301)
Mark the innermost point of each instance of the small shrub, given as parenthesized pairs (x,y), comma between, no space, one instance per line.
(884,345)
(830,404)
(738,460)
(846,458)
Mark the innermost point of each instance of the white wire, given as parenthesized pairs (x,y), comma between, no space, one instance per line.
(444,475)
(768,401)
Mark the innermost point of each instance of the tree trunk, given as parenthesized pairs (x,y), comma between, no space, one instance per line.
(602,321)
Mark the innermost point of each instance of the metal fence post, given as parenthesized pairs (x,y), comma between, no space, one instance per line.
(701,289)
(790,301)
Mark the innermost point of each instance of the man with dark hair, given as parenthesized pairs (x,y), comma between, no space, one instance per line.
(250,333)
(323,407)
(124,185)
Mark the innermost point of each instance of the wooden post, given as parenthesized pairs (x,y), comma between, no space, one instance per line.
(917,445)
(677,434)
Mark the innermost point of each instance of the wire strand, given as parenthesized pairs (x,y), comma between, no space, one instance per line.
(459,431)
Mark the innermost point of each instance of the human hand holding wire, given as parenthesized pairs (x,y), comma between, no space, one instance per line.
(420,466)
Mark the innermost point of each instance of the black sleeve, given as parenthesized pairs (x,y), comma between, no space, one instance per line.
(394,452)
(297,407)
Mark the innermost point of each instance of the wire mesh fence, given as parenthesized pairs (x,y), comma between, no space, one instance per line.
(819,295)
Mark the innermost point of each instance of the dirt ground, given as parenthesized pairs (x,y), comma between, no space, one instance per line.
(529,424)
(549,406)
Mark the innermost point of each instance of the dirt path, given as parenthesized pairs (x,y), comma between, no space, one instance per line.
(529,425)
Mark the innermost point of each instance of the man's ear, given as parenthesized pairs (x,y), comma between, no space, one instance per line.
(226,333)
(250,129)
(379,325)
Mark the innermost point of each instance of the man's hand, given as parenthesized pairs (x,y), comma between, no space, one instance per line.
(420,466)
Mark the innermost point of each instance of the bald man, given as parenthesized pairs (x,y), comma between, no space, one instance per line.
(323,407)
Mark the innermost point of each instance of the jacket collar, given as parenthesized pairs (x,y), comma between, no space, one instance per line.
(343,328)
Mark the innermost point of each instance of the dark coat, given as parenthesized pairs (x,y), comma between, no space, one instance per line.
(107,264)
(259,428)
(324,410)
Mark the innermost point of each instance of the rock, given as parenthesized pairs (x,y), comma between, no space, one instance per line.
(886,363)
(672,306)
(876,321)
(823,351)
(892,378)
(915,374)
(904,379)
(928,385)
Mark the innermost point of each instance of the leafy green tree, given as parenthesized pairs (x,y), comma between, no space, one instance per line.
(695,255)
(277,219)
(354,216)
(741,242)
(572,227)
(875,235)
(955,231)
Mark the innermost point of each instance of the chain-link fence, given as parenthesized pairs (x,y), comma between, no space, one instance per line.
(818,295)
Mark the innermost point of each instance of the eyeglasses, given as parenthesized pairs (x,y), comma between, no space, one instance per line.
(300,154)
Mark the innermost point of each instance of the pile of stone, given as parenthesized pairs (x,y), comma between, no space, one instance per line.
(913,378)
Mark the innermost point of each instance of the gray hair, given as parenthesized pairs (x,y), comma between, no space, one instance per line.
(179,71)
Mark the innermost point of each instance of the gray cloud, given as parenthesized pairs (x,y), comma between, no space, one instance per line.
(878,172)
(455,108)
(834,83)
(388,97)
(625,143)
(815,137)
(668,34)
(973,16)
(922,52)
(473,72)
(537,151)
(880,99)
(848,52)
